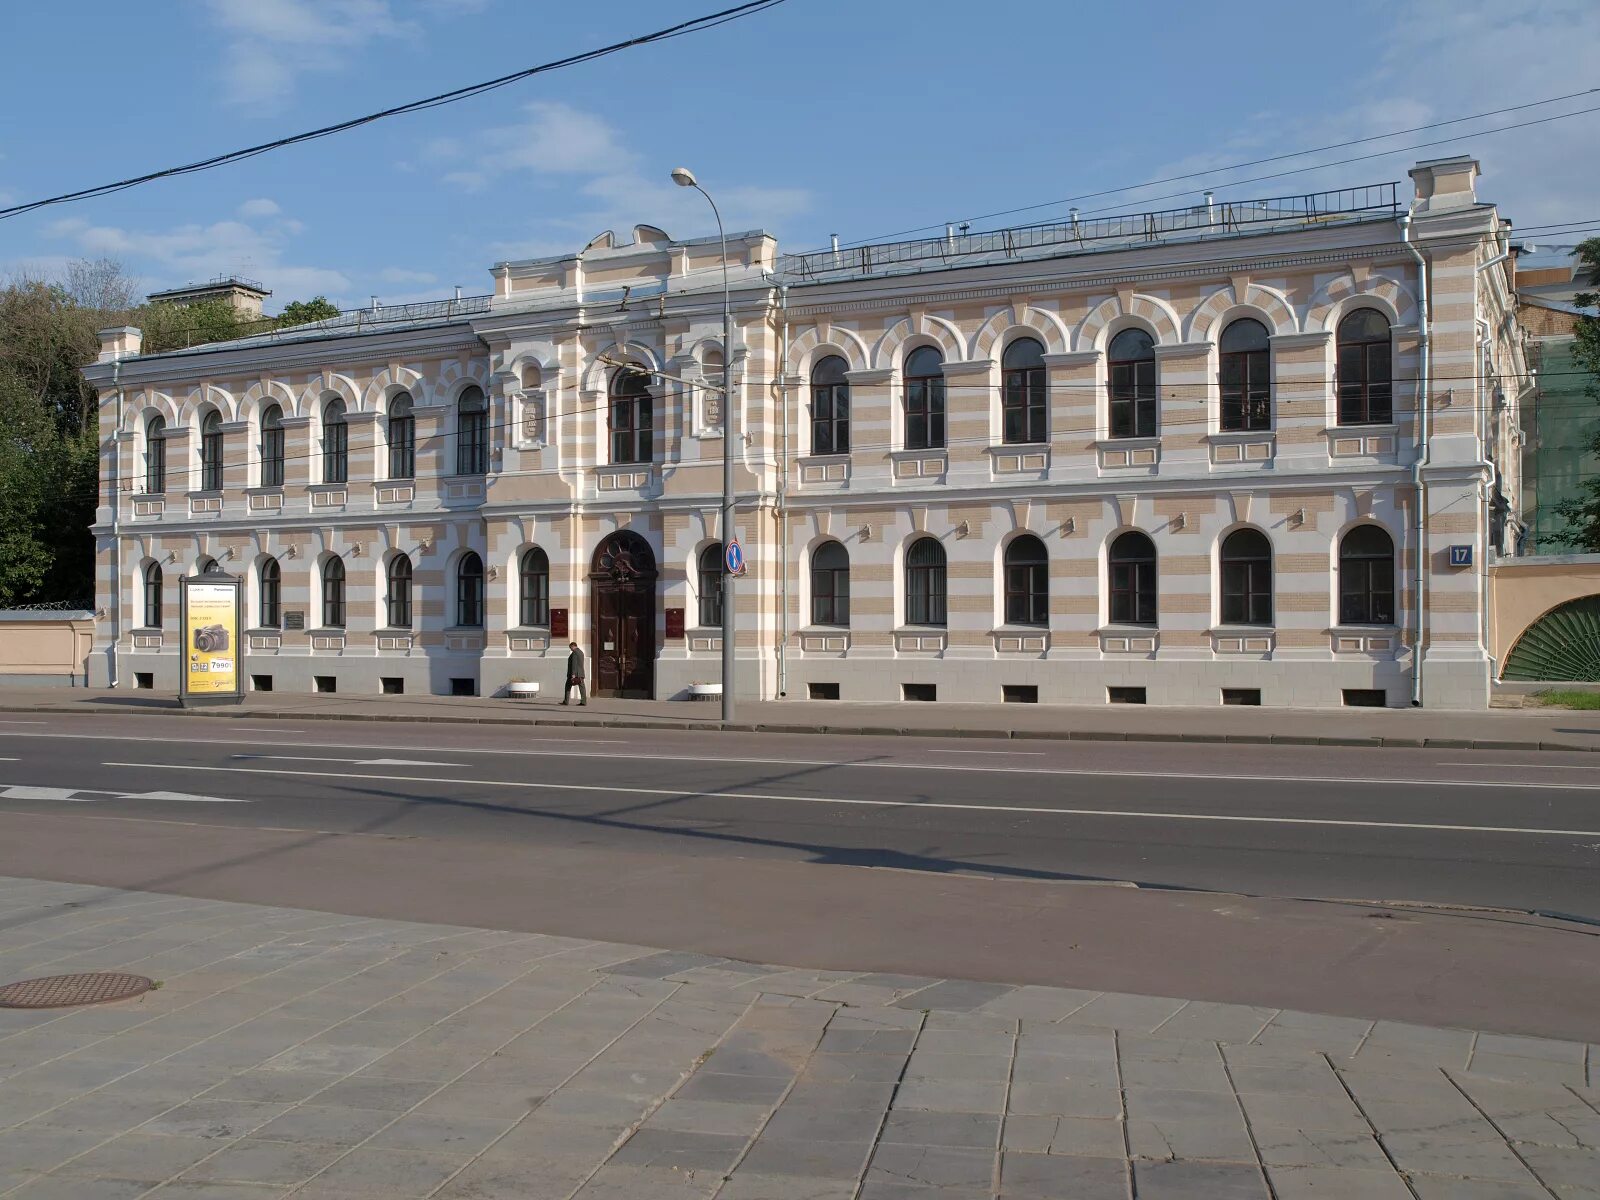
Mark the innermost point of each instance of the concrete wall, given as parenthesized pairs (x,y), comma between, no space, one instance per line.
(49,648)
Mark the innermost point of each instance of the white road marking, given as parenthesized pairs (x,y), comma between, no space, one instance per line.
(1519,766)
(1005,753)
(359,762)
(8,721)
(88,795)
(1032,810)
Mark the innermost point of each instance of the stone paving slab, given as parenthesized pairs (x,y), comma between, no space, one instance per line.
(322,1057)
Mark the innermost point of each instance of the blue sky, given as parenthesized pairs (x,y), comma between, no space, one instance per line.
(856,117)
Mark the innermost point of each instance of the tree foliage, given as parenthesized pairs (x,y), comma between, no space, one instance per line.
(301,312)
(1582,512)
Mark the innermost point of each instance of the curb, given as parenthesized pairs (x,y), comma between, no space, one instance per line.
(1057,735)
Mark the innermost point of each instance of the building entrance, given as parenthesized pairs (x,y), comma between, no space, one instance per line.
(622,590)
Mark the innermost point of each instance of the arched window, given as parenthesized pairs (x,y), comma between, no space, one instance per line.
(152,596)
(1246,578)
(1023,397)
(271,614)
(333,594)
(1366,385)
(469,591)
(711,370)
(1027,582)
(272,446)
(335,444)
(211,452)
(155,457)
(1131,367)
(1366,577)
(708,581)
(924,399)
(532,377)
(206,566)
(925,583)
(402,437)
(472,432)
(534,580)
(1132,562)
(632,418)
(830,585)
(399,585)
(830,407)
(1245,376)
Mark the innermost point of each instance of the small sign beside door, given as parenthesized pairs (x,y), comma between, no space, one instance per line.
(1460,556)
(558,622)
(675,623)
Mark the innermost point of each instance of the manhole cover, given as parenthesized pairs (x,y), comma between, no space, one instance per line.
(65,991)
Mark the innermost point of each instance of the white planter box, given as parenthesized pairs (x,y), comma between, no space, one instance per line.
(522,691)
(705,691)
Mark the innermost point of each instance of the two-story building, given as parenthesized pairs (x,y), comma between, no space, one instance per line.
(1229,453)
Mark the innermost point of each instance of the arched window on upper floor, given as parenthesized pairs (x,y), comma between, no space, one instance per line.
(1131,378)
(469,591)
(534,580)
(1365,375)
(335,443)
(926,597)
(472,432)
(1131,563)
(402,433)
(632,417)
(398,583)
(1366,577)
(1024,397)
(830,407)
(924,399)
(830,585)
(1245,376)
(271,594)
(211,452)
(1246,562)
(1027,581)
(155,456)
(152,596)
(272,446)
(708,583)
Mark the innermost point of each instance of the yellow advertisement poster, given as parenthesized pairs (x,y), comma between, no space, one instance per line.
(211,639)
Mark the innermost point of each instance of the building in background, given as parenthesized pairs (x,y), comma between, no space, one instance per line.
(1239,452)
(246,295)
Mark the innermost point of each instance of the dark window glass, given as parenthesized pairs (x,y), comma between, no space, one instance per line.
(925,583)
(272,446)
(1027,582)
(469,591)
(1132,562)
(335,444)
(211,452)
(155,457)
(402,438)
(1246,578)
(632,418)
(1245,376)
(708,573)
(1366,577)
(830,585)
(830,407)
(399,583)
(535,584)
(924,399)
(1365,382)
(152,596)
(1023,394)
(333,594)
(1131,372)
(472,433)
(271,594)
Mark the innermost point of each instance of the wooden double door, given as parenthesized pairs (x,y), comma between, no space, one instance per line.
(622,591)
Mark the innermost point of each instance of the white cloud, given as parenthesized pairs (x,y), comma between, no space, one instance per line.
(269,41)
(260,207)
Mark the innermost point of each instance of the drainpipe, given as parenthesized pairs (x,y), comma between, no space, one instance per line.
(114,609)
(783,489)
(1421,461)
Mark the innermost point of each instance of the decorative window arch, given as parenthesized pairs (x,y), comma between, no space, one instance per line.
(830,585)
(1026,565)
(397,581)
(1024,397)
(713,402)
(211,452)
(1245,376)
(472,432)
(335,442)
(155,456)
(402,437)
(1131,376)
(152,596)
(271,594)
(206,566)
(534,589)
(925,399)
(1131,563)
(1365,369)
(830,406)
(1366,577)
(272,446)
(632,417)
(1246,568)
(708,584)
(926,584)
(469,591)
(333,612)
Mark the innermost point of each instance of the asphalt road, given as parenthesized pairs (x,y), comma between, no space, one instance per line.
(834,851)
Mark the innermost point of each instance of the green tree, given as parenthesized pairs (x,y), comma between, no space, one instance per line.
(301,312)
(179,326)
(1582,512)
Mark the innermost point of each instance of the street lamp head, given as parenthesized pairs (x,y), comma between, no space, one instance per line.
(684,177)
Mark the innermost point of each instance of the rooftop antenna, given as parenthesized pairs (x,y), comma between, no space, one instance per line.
(458,291)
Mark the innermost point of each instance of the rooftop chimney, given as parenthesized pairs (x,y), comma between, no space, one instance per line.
(123,341)
(1445,183)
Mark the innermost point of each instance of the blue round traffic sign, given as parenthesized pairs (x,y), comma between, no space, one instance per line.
(733,557)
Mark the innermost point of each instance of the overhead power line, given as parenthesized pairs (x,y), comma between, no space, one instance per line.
(696,25)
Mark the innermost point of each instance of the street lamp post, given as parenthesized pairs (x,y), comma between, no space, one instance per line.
(684,177)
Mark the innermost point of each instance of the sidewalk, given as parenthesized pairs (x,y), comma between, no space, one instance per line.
(1496,729)
(294,1053)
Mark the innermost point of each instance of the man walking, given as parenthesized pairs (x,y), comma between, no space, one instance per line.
(575,676)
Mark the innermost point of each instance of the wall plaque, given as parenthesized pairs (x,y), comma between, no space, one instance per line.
(294,618)
(675,622)
(558,622)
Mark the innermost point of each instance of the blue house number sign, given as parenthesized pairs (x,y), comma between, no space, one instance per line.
(1460,556)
